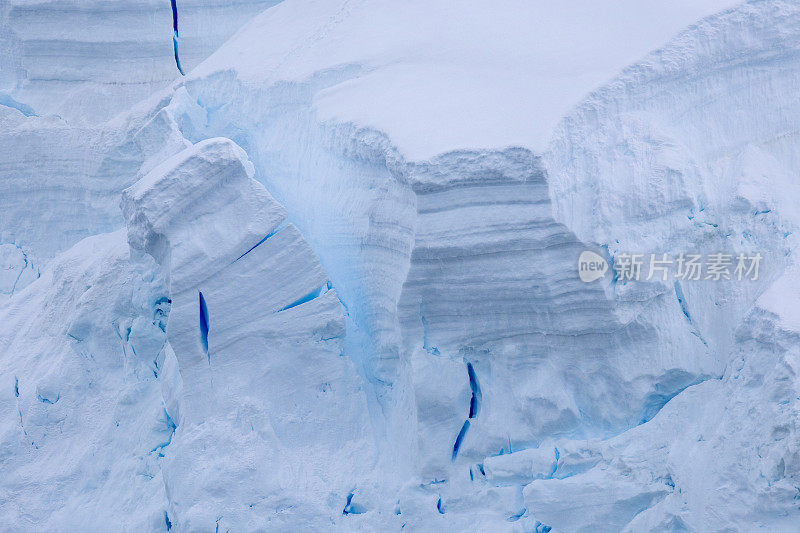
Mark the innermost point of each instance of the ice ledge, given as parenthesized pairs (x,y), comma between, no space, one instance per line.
(203,207)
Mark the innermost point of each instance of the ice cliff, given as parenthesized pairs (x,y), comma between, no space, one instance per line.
(327,279)
(87,60)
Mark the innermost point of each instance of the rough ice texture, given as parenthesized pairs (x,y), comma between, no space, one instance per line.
(359,224)
(258,337)
(81,402)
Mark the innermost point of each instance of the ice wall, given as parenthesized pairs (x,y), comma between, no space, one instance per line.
(88,60)
(267,398)
(365,218)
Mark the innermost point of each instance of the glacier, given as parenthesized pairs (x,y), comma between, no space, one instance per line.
(312,265)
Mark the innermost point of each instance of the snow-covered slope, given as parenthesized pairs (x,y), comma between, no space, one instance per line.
(81,400)
(353,233)
(441,76)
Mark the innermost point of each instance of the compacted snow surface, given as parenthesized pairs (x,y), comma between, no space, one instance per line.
(327,278)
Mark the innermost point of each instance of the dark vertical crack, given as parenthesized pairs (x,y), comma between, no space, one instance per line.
(682,301)
(475,400)
(459,439)
(175,34)
(205,324)
(474,408)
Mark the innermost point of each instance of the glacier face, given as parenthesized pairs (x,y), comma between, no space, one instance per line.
(69,57)
(328,279)
(257,335)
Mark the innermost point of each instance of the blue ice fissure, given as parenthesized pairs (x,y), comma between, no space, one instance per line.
(175,50)
(475,400)
(307,298)
(682,300)
(262,241)
(205,322)
(174,5)
(174,16)
(460,439)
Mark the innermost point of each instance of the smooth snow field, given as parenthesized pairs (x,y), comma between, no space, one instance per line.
(418,265)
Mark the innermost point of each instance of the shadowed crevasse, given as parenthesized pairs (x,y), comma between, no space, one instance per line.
(175,35)
(205,323)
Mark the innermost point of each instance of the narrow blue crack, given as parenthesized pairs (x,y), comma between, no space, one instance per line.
(205,324)
(175,35)
(474,408)
(682,301)
(460,439)
(259,243)
(316,293)
(475,400)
